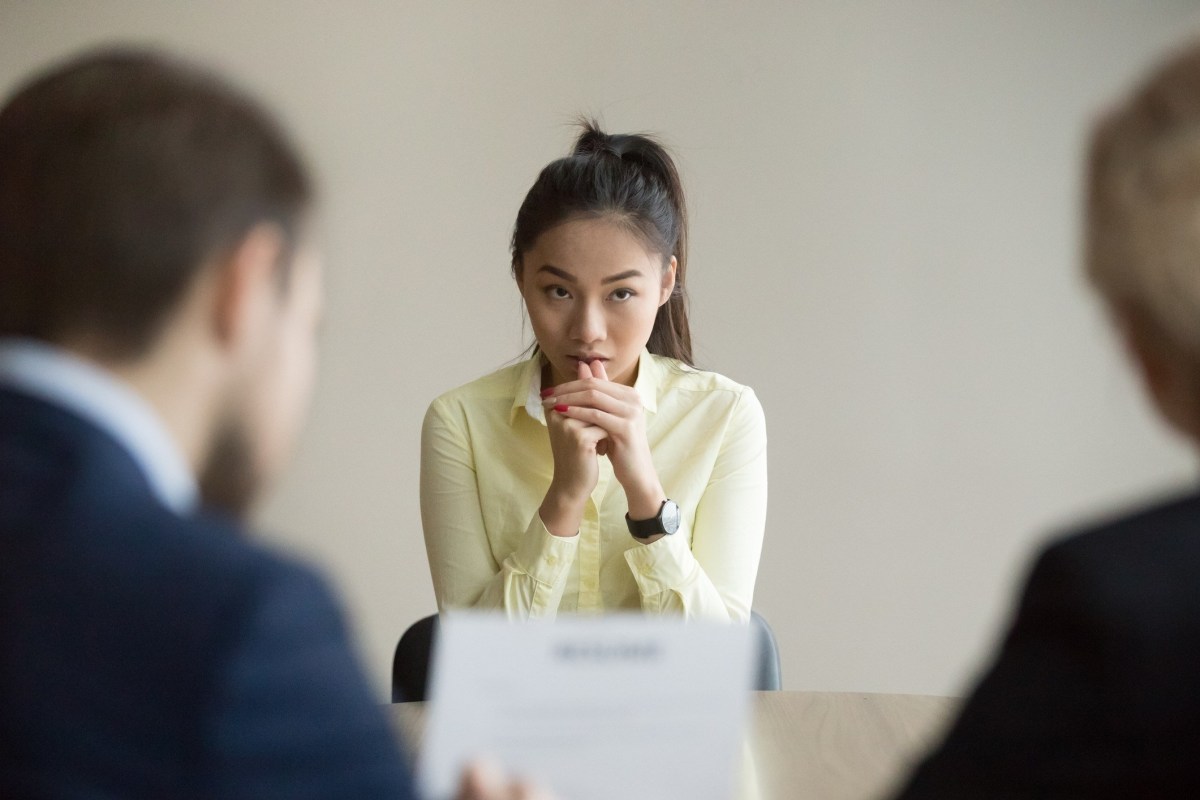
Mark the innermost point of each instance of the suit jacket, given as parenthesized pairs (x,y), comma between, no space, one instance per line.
(1095,692)
(144,654)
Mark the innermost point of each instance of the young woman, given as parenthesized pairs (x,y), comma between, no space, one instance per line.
(605,472)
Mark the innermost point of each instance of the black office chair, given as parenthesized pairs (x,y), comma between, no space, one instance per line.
(410,664)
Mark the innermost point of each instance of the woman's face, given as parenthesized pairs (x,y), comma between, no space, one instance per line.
(592,291)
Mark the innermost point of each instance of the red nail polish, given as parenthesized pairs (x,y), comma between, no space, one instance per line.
(547,392)
(560,408)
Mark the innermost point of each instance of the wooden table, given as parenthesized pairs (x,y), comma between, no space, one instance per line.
(821,745)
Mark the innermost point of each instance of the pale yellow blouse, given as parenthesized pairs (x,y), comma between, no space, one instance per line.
(486,465)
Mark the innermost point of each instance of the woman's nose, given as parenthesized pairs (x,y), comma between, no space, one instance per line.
(588,325)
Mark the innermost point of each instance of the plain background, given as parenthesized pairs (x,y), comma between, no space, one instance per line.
(885,237)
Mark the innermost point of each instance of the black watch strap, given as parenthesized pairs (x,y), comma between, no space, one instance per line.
(665,521)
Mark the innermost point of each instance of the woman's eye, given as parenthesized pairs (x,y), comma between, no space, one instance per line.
(621,295)
(557,293)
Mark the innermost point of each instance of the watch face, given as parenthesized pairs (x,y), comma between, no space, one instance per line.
(670,516)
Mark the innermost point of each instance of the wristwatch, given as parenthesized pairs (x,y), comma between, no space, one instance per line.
(666,521)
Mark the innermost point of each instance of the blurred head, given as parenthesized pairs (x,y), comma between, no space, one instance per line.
(1143,231)
(137,194)
(266,389)
(616,203)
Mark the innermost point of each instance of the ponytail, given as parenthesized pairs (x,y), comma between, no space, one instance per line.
(632,179)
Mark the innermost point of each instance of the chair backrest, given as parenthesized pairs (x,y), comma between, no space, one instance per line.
(410,664)
(769,675)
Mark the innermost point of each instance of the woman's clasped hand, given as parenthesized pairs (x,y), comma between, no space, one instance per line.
(593,417)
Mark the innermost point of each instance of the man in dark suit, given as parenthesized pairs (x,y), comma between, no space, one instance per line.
(1095,692)
(159,298)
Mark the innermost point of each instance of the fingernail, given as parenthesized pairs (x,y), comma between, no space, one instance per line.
(560,408)
(547,392)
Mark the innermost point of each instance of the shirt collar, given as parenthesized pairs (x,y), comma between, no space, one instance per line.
(527,388)
(55,376)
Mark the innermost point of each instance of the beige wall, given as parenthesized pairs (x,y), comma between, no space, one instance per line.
(884,246)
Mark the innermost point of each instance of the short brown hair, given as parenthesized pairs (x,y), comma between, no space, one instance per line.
(122,174)
(1143,201)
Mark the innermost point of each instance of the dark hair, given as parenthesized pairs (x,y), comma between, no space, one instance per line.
(631,179)
(122,174)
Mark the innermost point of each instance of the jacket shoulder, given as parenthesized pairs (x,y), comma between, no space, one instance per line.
(1133,578)
(1162,536)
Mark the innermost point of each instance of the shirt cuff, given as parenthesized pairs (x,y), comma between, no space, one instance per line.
(543,556)
(662,565)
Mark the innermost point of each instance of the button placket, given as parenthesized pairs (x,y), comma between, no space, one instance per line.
(589,542)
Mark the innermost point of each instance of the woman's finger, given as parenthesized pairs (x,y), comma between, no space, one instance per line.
(596,398)
(586,374)
(584,430)
(595,418)
(590,381)
(625,394)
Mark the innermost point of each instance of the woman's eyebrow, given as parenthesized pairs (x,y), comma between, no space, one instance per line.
(566,276)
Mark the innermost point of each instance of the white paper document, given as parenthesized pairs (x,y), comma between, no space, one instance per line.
(621,706)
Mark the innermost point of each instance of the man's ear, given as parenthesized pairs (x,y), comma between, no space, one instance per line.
(1169,375)
(668,281)
(247,286)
